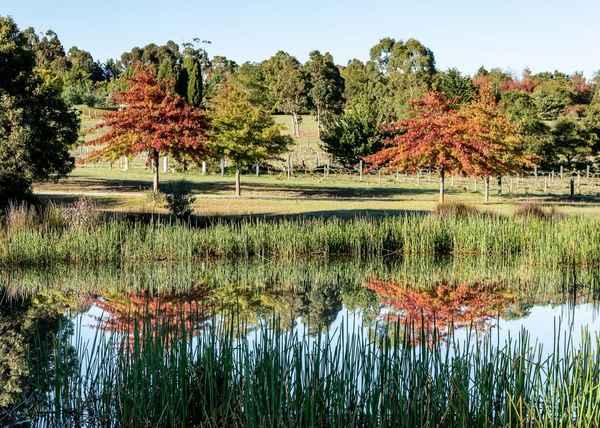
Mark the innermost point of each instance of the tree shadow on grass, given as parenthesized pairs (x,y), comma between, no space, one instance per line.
(223,186)
(563,200)
(103,202)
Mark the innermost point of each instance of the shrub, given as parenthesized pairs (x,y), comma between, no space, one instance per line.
(455,209)
(180,203)
(531,210)
(82,213)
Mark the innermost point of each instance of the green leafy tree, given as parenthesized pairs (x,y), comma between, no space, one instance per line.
(37,128)
(455,86)
(193,69)
(364,84)
(326,85)
(218,70)
(252,78)
(166,71)
(571,146)
(242,132)
(520,108)
(408,69)
(552,96)
(353,135)
(287,85)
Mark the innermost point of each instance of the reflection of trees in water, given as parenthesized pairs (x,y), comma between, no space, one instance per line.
(435,312)
(322,301)
(30,328)
(131,312)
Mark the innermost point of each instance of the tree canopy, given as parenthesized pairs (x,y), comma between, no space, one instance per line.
(37,128)
(242,132)
(154,121)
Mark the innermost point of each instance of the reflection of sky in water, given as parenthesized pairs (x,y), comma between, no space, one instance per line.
(541,322)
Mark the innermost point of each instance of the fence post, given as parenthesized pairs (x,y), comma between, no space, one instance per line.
(222,167)
(360,168)
(166,164)
(289,166)
(203,167)
(545,184)
(257,169)
(125,163)
(379,176)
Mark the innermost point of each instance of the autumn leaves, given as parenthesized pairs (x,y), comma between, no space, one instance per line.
(475,139)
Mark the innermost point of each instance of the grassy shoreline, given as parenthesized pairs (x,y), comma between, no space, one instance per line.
(543,242)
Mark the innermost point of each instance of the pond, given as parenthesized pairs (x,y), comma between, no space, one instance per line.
(405,342)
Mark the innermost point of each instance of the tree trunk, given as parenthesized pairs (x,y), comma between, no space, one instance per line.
(296,126)
(499,185)
(203,167)
(126,163)
(318,122)
(155,169)
(442,185)
(360,169)
(257,170)
(238,190)
(222,167)
(165,164)
(487,189)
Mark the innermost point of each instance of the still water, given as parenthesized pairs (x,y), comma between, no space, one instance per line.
(54,321)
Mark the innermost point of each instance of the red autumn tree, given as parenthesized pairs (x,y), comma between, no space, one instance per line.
(442,308)
(154,121)
(439,137)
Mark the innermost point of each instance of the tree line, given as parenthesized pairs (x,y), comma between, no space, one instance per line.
(363,109)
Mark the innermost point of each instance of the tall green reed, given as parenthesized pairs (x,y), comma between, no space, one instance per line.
(175,377)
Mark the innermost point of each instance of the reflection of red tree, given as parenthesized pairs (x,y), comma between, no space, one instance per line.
(441,308)
(132,311)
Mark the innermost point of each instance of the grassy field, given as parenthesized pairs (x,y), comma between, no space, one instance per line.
(307,192)
(343,195)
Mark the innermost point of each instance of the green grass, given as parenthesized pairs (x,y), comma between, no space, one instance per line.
(308,191)
(230,376)
(338,195)
(571,240)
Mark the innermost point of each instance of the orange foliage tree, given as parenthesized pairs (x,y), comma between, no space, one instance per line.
(151,120)
(443,308)
(438,136)
(487,127)
(132,312)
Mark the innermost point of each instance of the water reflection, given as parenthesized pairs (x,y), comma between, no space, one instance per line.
(70,309)
(443,308)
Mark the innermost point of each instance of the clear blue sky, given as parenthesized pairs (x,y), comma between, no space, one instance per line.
(541,35)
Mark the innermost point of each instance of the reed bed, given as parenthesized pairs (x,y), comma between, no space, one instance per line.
(271,377)
(566,241)
(257,275)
